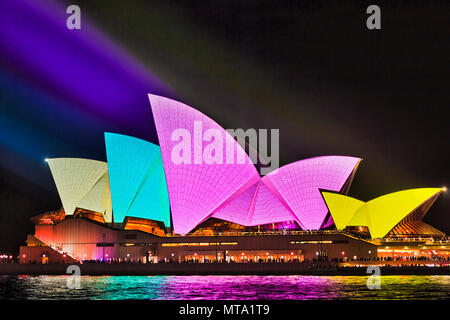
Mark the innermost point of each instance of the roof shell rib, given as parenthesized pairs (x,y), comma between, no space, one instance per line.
(237,210)
(197,189)
(297,186)
(342,208)
(256,206)
(268,208)
(98,199)
(381,214)
(136,175)
(385,212)
(74,179)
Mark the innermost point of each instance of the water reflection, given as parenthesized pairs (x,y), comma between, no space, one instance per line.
(225,287)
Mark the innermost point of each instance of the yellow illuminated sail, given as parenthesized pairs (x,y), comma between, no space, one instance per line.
(341,207)
(381,214)
(385,212)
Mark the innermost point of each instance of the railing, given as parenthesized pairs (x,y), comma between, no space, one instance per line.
(57,249)
(416,239)
(259,233)
(311,232)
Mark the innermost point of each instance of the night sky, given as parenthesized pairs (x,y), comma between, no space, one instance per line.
(310,68)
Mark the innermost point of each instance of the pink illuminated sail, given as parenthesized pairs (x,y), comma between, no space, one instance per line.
(268,209)
(237,210)
(256,206)
(198,184)
(297,186)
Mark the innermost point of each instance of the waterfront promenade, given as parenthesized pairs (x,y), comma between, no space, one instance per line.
(292,268)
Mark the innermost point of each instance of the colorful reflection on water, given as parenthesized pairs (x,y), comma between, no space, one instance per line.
(224,287)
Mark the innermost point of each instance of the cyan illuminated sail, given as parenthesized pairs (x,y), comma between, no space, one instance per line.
(137,180)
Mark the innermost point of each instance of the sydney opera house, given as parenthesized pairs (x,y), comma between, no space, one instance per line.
(145,204)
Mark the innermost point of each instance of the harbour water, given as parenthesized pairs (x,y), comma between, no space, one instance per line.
(224,287)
